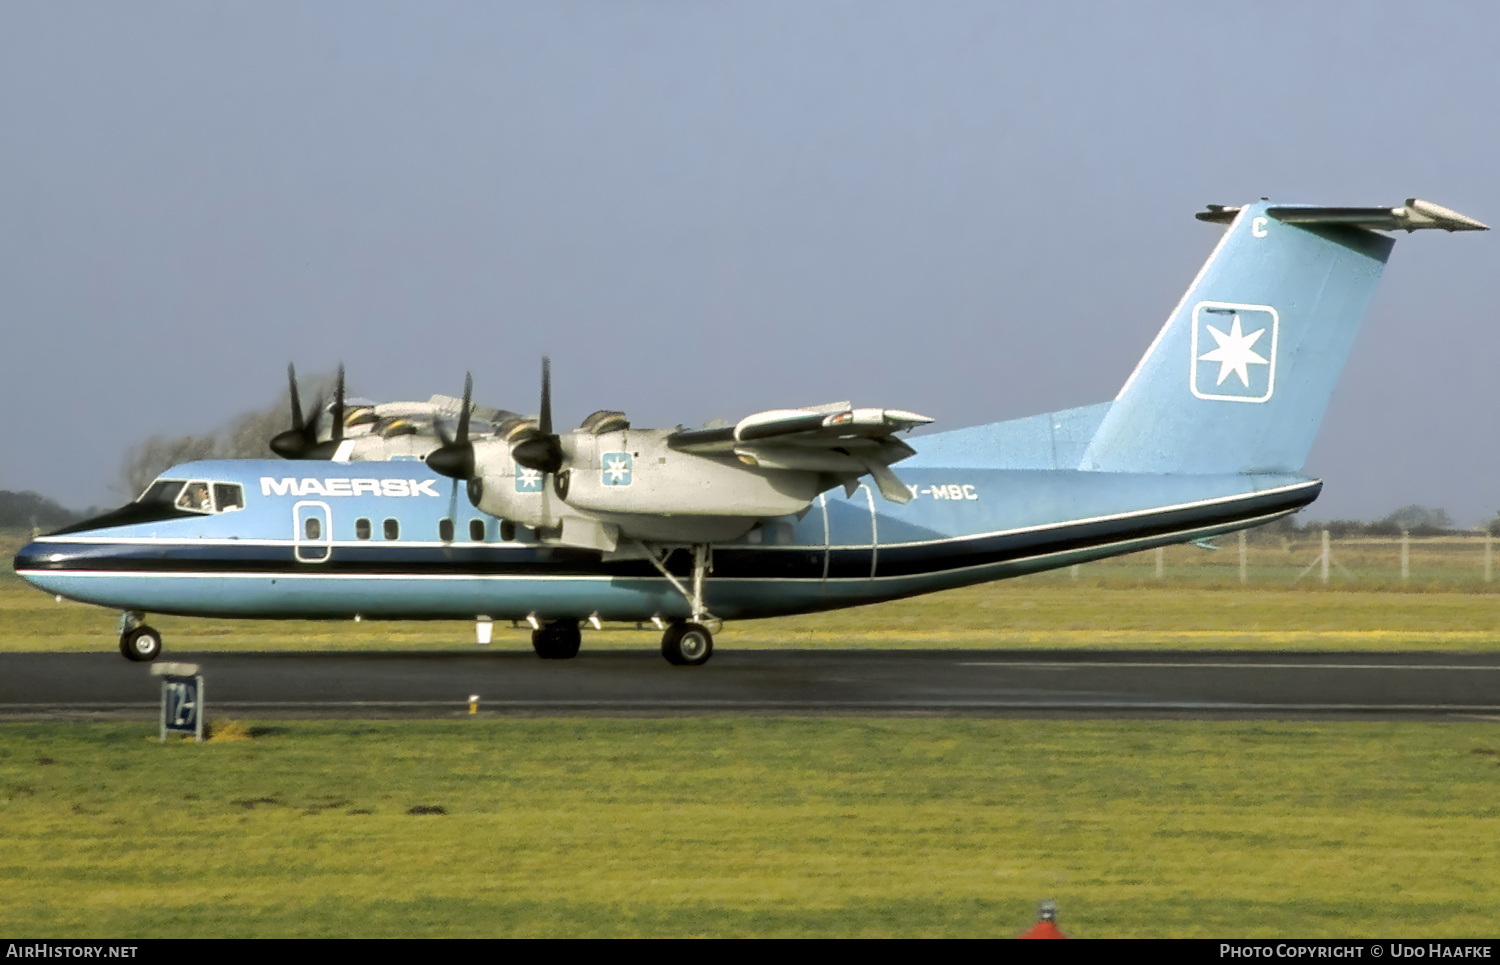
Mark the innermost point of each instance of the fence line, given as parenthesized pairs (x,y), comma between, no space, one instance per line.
(1314,556)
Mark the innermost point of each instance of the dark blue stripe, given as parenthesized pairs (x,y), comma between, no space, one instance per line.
(730,562)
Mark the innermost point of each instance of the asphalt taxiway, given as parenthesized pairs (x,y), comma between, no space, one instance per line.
(1142,683)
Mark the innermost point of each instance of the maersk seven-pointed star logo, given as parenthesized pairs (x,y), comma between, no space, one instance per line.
(528,480)
(615,468)
(1234,351)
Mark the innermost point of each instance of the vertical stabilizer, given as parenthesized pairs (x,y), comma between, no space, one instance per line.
(1239,377)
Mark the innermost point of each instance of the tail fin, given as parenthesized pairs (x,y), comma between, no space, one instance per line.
(1239,377)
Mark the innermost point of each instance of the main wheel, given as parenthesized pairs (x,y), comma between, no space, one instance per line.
(687,644)
(141,644)
(557,640)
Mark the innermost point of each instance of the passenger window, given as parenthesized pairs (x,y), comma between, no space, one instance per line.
(195,497)
(229,496)
(445,530)
(507,531)
(362,528)
(313,527)
(392,529)
(476,531)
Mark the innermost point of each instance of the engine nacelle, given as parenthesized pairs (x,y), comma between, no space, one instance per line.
(634,471)
(629,485)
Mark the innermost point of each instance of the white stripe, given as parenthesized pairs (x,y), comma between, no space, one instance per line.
(1174,536)
(1133,514)
(636,580)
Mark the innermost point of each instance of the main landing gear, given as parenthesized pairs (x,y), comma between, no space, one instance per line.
(138,642)
(557,640)
(684,643)
(690,643)
(687,644)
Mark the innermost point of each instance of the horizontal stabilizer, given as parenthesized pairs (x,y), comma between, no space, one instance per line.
(1413,215)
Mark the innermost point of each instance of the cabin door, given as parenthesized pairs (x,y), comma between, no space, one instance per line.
(313,532)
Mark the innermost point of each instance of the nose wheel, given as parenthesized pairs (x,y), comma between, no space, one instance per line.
(687,644)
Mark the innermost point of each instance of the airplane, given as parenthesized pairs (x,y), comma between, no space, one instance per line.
(689,527)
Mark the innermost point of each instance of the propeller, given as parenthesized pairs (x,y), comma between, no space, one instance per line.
(455,457)
(338,410)
(301,440)
(294,442)
(542,451)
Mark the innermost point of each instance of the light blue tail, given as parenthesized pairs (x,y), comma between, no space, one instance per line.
(1240,376)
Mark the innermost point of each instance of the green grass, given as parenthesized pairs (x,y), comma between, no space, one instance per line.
(1014,614)
(836,826)
(704,826)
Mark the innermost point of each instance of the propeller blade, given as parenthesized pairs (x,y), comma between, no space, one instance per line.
(542,450)
(544,419)
(463,413)
(455,457)
(338,407)
(295,442)
(310,430)
(291,377)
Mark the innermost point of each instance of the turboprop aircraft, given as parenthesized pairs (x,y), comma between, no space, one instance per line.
(770,516)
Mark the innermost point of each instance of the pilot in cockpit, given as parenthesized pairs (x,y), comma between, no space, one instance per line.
(196,496)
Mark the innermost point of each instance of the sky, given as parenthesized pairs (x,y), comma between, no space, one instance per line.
(976,211)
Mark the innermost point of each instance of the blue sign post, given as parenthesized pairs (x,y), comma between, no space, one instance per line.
(181,699)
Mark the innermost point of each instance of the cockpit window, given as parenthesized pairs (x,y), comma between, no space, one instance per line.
(163,492)
(195,497)
(228,496)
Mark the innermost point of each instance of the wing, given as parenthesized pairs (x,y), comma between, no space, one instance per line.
(837,440)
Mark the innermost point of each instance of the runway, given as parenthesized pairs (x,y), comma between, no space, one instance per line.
(1080,684)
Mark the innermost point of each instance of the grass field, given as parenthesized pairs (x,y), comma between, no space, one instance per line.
(824,826)
(706,826)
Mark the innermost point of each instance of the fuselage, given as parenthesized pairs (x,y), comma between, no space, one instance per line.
(393,540)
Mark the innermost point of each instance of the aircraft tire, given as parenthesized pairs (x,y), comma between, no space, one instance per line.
(143,644)
(557,641)
(687,645)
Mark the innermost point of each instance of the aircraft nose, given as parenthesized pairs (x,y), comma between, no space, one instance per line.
(32,557)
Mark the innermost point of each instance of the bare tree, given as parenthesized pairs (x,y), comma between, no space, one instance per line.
(148,460)
(245,437)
